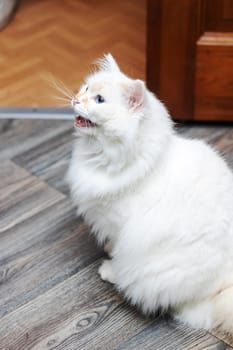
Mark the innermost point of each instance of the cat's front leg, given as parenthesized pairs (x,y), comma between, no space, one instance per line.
(108,248)
(106,271)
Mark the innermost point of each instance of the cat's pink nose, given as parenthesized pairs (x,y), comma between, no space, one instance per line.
(75,102)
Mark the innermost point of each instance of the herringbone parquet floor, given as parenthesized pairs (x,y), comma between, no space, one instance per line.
(60,39)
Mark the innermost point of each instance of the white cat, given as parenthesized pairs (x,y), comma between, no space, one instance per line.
(162,202)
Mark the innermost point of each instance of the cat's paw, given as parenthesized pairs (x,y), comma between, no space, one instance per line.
(105,271)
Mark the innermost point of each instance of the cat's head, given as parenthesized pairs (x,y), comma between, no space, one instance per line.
(109,103)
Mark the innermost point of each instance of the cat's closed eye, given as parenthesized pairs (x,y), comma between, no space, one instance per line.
(99,99)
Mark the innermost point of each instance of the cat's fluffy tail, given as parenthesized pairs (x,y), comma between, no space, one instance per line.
(223,310)
(213,312)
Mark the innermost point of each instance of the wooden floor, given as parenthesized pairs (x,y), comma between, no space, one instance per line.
(51,296)
(58,40)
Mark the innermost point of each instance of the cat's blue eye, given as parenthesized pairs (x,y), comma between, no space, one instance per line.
(99,99)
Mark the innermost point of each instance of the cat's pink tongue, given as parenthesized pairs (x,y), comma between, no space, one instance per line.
(82,122)
(79,121)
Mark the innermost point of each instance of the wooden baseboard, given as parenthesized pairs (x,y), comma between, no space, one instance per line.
(36,113)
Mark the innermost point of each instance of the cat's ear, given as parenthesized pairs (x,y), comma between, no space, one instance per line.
(135,94)
(108,63)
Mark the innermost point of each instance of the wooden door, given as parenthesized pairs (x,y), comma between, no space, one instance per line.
(190,57)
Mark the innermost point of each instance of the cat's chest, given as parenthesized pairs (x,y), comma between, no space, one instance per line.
(105,216)
(101,209)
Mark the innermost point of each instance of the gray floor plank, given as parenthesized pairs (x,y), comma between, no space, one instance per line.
(18,136)
(22,195)
(80,313)
(50,160)
(41,241)
(171,335)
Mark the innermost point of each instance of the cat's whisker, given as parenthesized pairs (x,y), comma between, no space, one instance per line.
(62,99)
(64,105)
(63,91)
(68,90)
(61,87)
(61,105)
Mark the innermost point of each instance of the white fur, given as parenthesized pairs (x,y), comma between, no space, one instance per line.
(164,202)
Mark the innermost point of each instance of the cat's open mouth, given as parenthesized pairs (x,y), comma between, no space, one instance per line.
(83,122)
